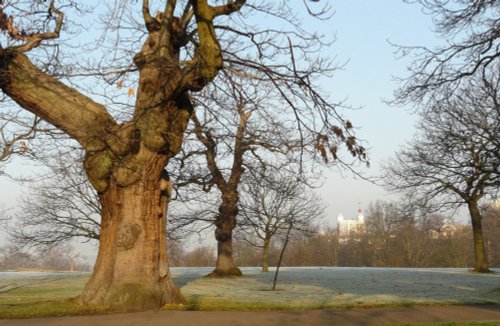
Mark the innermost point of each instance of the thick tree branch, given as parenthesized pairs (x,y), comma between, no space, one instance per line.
(187,15)
(210,154)
(239,147)
(151,23)
(43,95)
(228,8)
(166,28)
(207,60)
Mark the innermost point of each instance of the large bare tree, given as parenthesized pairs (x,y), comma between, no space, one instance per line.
(125,161)
(268,117)
(454,160)
(225,220)
(251,136)
(129,140)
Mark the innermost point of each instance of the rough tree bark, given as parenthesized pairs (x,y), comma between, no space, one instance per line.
(225,223)
(125,162)
(481,265)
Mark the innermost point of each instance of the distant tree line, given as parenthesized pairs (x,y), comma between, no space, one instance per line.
(62,258)
(389,239)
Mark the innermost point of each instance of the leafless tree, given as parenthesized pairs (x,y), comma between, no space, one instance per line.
(274,205)
(256,130)
(470,30)
(413,245)
(60,207)
(199,257)
(382,220)
(12,258)
(320,249)
(392,237)
(250,136)
(59,258)
(125,97)
(454,160)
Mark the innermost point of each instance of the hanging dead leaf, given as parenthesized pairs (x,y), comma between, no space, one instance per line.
(131,91)
(333,150)
(23,146)
(120,84)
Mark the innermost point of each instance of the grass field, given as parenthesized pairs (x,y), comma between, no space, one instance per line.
(50,294)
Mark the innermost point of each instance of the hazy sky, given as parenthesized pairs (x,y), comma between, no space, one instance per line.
(363,29)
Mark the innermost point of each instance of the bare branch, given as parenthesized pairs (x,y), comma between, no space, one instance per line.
(34,40)
(151,23)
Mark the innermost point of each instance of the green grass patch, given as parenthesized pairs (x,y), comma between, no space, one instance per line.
(46,297)
(18,291)
(42,297)
(41,309)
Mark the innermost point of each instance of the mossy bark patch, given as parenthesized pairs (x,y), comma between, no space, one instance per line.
(127,171)
(98,166)
(135,297)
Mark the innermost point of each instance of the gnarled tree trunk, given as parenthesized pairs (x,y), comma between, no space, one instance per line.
(132,268)
(224,226)
(125,161)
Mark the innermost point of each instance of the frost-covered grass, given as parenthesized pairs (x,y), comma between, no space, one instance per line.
(316,287)
(33,294)
(48,294)
(25,287)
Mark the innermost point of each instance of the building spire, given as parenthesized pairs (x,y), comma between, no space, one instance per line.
(361,217)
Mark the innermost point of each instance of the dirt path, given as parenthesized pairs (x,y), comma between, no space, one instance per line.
(358,316)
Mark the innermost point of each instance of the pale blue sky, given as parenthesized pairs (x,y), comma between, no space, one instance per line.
(363,29)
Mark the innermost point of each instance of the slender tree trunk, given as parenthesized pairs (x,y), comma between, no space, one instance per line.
(132,269)
(224,225)
(481,264)
(71,264)
(265,254)
(287,238)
